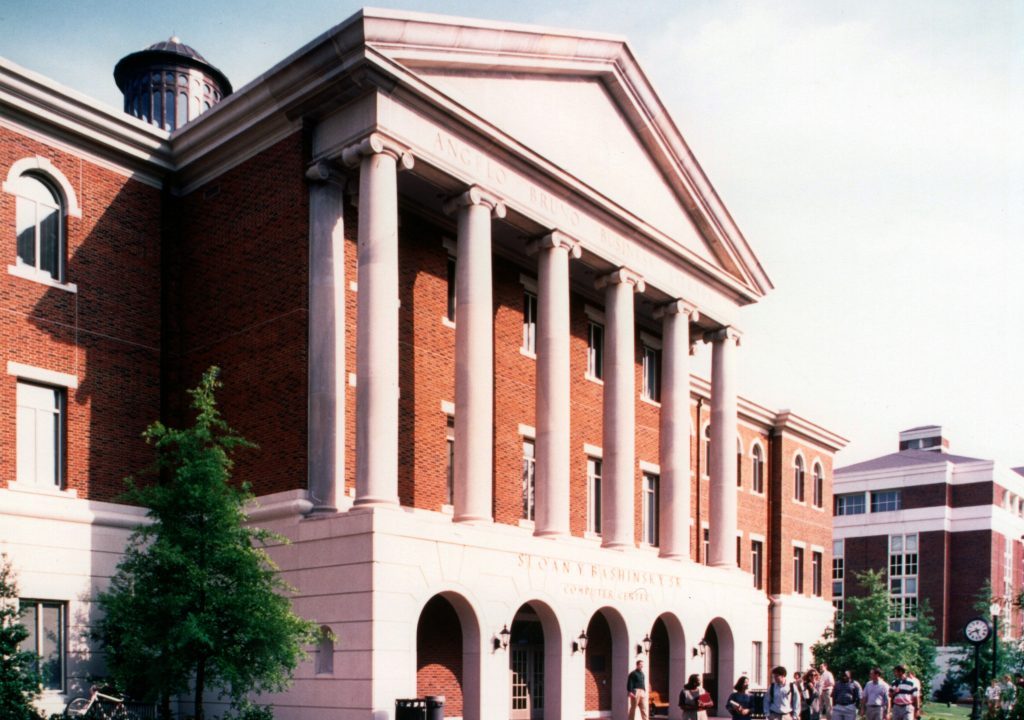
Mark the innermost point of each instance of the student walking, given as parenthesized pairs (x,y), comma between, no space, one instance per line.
(782,699)
(636,686)
(828,682)
(875,697)
(846,695)
(904,695)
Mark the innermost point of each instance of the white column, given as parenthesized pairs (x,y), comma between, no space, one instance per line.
(326,414)
(674,442)
(722,461)
(377,319)
(474,354)
(552,404)
(619,409)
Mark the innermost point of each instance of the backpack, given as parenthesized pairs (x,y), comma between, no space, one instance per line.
(794,701)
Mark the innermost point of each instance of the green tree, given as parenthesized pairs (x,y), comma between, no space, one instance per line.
(1009,659)
(19,669)
(863,638)
(196,603)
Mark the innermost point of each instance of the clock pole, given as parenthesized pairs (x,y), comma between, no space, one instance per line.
(976,705)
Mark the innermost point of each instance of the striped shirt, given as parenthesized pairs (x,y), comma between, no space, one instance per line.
(904,691)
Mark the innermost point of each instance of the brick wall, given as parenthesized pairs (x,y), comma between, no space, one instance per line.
(242,276)
(439,654)
(971,566)
(933,575)
(107,334)
(919,496)
(969,494)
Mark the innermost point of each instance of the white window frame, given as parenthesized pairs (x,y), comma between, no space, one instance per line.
(650,488)
(757,471)
(799,560)
(838,575)
(40,632)
(595,472)
(595,352)
(904,569)
(650,376)
(799,479)
(757,561)
(818,484)
(529,478)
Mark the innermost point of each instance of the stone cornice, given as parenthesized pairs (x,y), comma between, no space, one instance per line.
(109,135)
(621,276)
(788,422)
(678,307)
(555,239)
(725,333)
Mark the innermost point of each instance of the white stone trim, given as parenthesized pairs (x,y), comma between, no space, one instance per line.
(594,314)
(527,431)
(44,167)
(447,322)
(353,286)
(27,272)
(818,548)
(649,467)
(528,283)
(351,379)
(48,377)
(592,451)
(448,407)
(799,544)
(757,536)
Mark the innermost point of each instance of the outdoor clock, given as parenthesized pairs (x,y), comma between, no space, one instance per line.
(977,630)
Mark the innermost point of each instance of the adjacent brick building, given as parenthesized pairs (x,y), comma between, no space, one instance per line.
(452,270)
(940,525)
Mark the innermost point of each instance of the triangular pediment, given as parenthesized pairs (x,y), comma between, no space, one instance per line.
(580,102)
(574,122)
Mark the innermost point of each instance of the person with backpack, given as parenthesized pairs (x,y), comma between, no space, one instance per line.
(845,697)
(782,701)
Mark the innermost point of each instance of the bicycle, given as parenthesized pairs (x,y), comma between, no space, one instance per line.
(98,706)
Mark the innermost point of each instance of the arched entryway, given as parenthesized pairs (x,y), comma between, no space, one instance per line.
(607,662)
(666,664)
(717,656)
(448,656)
(534,659)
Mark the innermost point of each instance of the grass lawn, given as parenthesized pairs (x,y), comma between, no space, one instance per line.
(939,711)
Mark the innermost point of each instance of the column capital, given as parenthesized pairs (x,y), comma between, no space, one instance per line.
(475,195)
(322,171)
(677,307)
(620,276)
(376,144)
(556,239)
(725,333)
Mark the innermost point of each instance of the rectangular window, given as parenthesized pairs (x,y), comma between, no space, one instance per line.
(819,486)
(650,509)
(798,570)
(651,374)
(852,504)
(529,476)
(40,435)
(838,573)
(450,312)
(529,323)
(45,622)
(757,563)
(706,546)
(594,495)
(595,350)
(756,661)
(739,550)
(450,437)
(816,561)
(903,556)
(886,500)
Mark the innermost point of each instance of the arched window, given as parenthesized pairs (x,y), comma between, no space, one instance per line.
(325,652)
(739,463)
(40,227)
(757,477)
(798,479)
(819,485)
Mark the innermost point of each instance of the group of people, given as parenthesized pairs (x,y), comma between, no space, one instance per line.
(1001,696)
(811,695)
(817,695)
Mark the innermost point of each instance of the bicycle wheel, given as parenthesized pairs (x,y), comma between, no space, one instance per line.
(77,708)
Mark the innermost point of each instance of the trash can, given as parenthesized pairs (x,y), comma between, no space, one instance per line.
(757,708)
(412,709)
(435,707)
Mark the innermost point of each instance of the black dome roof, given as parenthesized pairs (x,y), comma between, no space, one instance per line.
(170,51)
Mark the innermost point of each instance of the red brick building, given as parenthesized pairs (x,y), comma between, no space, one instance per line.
(940,525)
(452,270)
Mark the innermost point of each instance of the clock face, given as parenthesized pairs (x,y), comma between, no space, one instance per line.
(977,630)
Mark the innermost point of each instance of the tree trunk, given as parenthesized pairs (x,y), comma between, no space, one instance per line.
(200,687)
(165,706)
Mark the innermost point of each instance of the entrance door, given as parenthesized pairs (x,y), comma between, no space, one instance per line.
(526,666)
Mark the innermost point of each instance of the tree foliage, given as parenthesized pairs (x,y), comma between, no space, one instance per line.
(1009,656)
(19,669)
(196,603)
(863,639)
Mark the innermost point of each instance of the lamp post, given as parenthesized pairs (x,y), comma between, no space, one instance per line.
(994,609)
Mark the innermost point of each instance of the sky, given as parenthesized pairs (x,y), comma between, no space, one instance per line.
(870,152)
